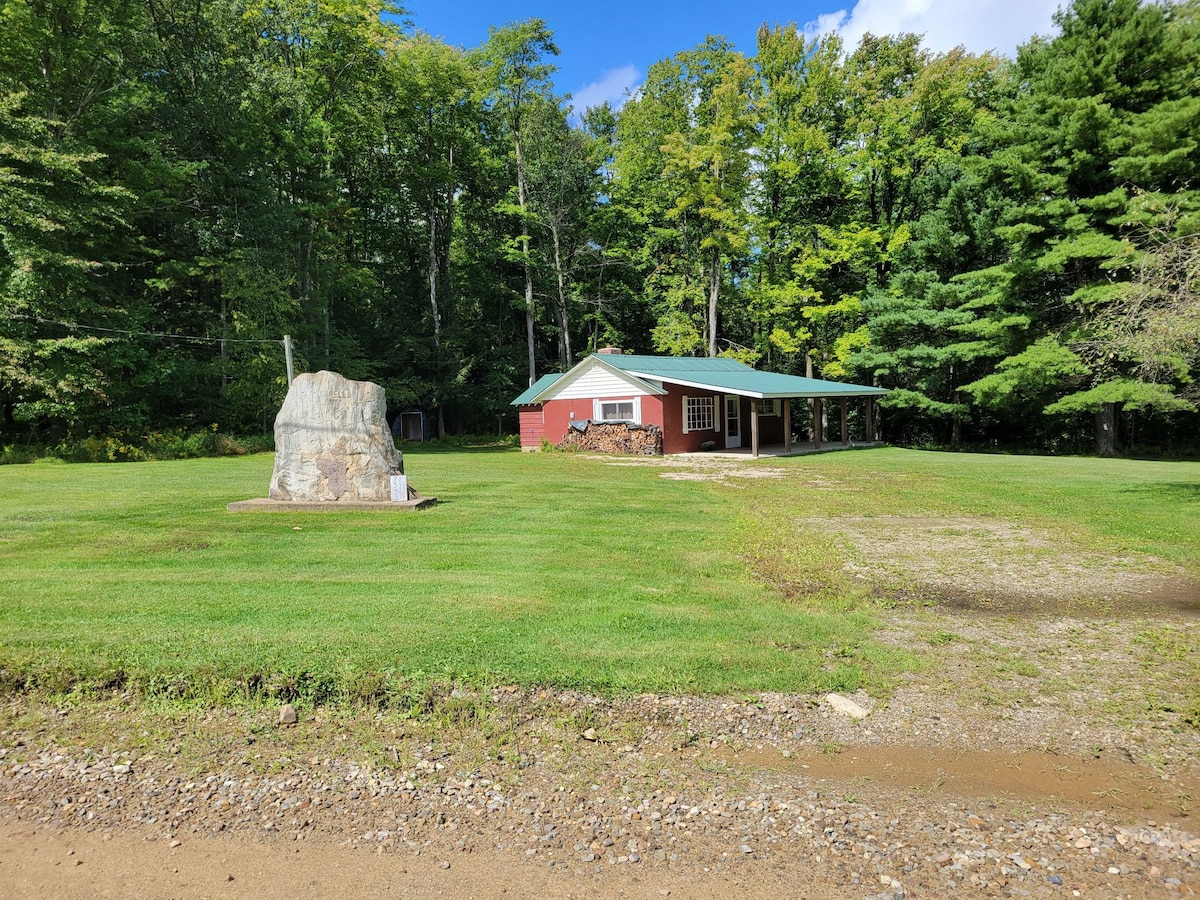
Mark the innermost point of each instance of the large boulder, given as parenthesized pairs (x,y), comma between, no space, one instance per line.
(332,442)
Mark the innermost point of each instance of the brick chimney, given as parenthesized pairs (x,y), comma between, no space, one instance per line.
(610,351)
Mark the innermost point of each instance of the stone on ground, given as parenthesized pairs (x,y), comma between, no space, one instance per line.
(845,706)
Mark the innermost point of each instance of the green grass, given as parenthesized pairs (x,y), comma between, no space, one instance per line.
(533,569)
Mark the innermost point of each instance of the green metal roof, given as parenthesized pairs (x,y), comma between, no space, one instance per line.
(536,388)
(718,374)
(673,364)
(729,375)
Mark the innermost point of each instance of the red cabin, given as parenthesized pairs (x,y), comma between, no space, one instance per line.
(698,402)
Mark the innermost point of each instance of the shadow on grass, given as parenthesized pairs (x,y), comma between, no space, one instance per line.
(430,449)
(1172,491)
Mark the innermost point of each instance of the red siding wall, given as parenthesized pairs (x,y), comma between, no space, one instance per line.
(561,413)
(532,427)
(674,440)
(559,416)
(553,418)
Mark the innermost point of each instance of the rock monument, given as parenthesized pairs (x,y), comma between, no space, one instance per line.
(333,448)
(332,442)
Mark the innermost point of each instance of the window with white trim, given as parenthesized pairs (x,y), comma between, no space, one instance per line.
(768,407)
(697,414)
(617,410)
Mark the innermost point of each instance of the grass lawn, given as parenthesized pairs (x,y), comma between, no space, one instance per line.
(533,569)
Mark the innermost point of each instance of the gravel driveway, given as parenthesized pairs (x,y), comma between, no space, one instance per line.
(1060,782)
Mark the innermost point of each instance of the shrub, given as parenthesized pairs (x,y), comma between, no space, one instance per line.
(101,449)
(11,454)
(478,440)
(174,443)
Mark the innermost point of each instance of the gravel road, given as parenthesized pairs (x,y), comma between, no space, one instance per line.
(518,793)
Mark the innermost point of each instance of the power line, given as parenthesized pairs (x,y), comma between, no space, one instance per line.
(152,334)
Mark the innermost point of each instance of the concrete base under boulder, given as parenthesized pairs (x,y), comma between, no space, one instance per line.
(265,504)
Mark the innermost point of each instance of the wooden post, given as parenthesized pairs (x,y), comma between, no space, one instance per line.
(869,427)
(845,429)
(754,428)
(787,425)
(287,356)
(816,423)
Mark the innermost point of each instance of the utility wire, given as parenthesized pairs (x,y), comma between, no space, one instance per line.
(153,334)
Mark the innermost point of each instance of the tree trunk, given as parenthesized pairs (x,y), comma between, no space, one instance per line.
(955,421)
(714,292)
(1106,430)
(433,306)
(522,200)
(328,329)
(306,294)
(564,332)
(447,240)
(224,346)
(433,273)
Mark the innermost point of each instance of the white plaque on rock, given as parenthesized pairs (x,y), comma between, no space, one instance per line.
(399,488)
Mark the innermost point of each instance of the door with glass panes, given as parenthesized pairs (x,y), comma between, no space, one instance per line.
(733,422)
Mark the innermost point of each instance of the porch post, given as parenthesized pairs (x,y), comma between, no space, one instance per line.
(845,431)
(869,430)
(787,425)
(816,423)
(754,428)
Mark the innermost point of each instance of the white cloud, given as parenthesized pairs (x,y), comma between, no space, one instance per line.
(611,87)
(978,25)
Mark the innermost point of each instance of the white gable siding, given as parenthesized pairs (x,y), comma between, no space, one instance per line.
(597,381)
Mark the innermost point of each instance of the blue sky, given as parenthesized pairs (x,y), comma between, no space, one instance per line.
(607,48)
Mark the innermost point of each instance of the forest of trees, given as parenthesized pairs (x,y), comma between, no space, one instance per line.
(1012,246)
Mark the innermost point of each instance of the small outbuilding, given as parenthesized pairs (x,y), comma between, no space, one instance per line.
(698,402)
(412,425)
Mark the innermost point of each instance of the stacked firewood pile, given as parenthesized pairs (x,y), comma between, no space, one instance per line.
(613,437)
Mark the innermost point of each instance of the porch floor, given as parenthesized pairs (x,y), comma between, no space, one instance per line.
(799,448)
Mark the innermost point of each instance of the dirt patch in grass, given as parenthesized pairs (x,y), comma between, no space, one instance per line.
(1002,567)
(719,473)
(703,468)
(1123,689)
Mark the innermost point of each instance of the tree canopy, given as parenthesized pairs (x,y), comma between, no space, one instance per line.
(1011,246)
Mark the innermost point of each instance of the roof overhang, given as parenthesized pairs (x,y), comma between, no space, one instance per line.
(827,389)
(823,395)
(525,398)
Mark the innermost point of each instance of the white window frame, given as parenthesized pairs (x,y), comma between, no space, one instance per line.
(768,407)
(598,410)
(704,419)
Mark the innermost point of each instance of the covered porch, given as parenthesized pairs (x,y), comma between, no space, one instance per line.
(815,410)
